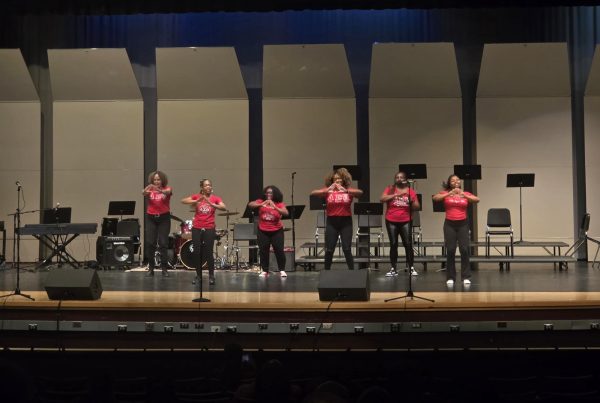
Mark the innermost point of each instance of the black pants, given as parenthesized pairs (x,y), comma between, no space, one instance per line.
(457,231)
(338,226)
(402,228)
(157,231)
(265,240)
(203,241)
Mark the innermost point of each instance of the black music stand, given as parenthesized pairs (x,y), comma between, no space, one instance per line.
(521,181)
(354,170)
(413,171)
(438,207)
(466,172)
(250,214)
(370,210)
(121,208)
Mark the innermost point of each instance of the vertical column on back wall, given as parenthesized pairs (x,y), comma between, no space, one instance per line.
(581,52)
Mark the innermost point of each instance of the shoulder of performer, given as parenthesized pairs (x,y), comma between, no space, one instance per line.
(215,199)
(195,196)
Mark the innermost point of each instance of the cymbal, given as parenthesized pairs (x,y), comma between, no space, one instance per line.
(174,217)
(228,213)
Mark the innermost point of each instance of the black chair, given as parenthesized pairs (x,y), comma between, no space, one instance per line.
(243,232)
(417,231)
(499,224)
(321,224)
(583,238)
(367,222)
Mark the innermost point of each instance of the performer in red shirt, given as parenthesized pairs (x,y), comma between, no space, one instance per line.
(158,219)
(456,227)
(270,229)
(338,195)
(203,227)
(400,200)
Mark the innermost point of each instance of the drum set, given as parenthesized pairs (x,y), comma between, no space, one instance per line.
(183,247)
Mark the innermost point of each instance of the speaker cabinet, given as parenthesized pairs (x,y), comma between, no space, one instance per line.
(344,285)
(289,260)
(115,251)
(81,284)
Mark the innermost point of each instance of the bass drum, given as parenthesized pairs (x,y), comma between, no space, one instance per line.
(186,256)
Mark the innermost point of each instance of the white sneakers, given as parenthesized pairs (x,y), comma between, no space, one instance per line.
(282,273)
(391,273)
(264,274)
(413,272)
(450,282)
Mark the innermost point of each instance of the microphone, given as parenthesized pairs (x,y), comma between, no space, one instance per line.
(293,173)
(57,207)
(18,183)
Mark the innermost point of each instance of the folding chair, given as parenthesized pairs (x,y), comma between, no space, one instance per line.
(499,223)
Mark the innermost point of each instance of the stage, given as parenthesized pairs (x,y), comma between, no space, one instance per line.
(137,311)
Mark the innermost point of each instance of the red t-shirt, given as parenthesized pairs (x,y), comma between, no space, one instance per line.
(398,208)
(158,203)
(456,207)
(269,219)
(338,204)
(205,213)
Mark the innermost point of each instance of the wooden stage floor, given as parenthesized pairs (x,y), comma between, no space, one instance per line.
(529,298)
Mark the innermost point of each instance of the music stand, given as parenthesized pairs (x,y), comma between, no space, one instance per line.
(413,171)
(354,171)
(521,181)
(121,208)
(465,172)
(368,209)
(438,207)
(61,215)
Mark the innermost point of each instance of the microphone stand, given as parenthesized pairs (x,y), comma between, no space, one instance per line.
(409,293)
(17,248)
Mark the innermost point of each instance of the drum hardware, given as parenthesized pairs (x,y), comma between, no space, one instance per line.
(228,213)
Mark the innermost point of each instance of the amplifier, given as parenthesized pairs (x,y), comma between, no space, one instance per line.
(117,238)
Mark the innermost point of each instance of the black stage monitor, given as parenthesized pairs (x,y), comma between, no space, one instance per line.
(61,215)
(520,180)
(413,171)
(468,171)
(121,207)
(354,170)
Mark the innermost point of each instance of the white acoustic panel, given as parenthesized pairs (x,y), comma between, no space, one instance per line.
(414,70)
(524,70)
(527,135)
(306,71)
(15,81)
(306,136)
(98,157)
(92,75)
(198,73)
(415,131)
(205,139)
(20,140)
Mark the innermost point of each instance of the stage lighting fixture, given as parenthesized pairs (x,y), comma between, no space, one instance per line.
(149,326)
(416,325)
(168,329)
(294,327)
(263,326)
(548,326)
(311,329)
(594,326)
(395,327)
(454,328)
(359,329)
(121,328)
(32,327)
(198,326)
(231,329)
(184,325)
